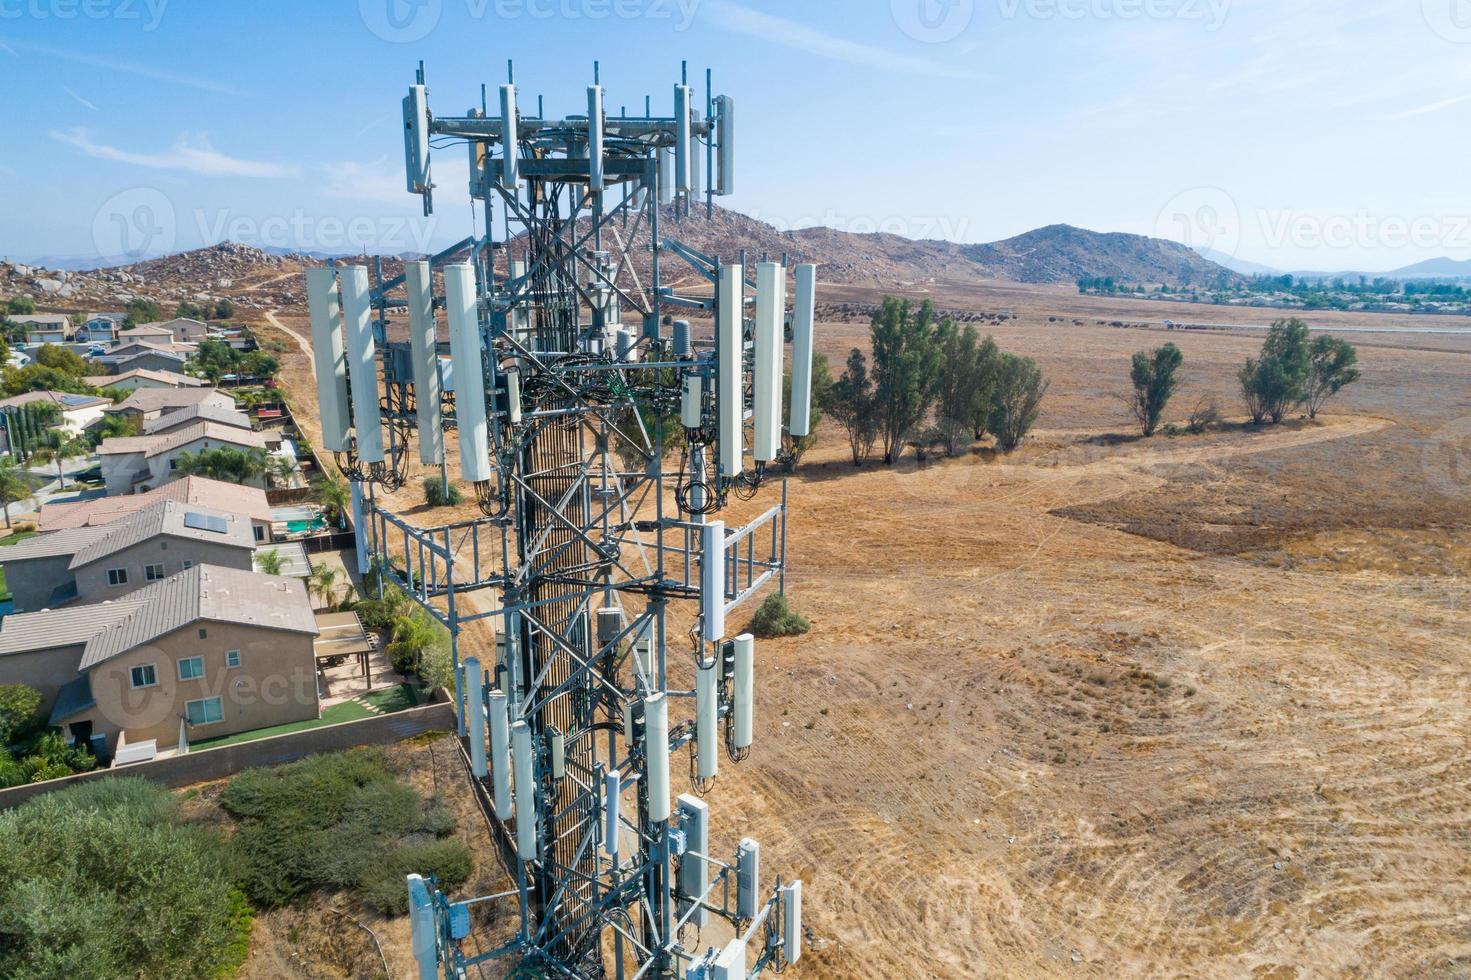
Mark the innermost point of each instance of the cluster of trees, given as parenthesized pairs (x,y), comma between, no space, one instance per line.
(215,359)
(417,644)
(31,751)
(1292,370)
(933,385)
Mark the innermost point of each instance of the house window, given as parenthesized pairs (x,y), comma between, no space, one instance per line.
(203,633)
(260,533)
(144,675)
(188,564)
(191,668)
(152,573)
(205,711)
(232,658)
(117,576)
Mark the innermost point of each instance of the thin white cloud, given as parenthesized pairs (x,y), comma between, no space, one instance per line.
(79,99)
(191,153)
(739,19)
(128,67)
(372,182)
(1432,107)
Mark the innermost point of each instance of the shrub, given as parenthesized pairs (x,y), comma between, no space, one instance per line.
(105,880)
(776,618)
(384,888)
(335,821)
(1153,376)
(438,493)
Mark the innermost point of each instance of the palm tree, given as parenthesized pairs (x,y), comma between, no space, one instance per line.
(225,463)
(60,447)
(334,495)
(13,485)
(280,469)
(269,562)
(320,583)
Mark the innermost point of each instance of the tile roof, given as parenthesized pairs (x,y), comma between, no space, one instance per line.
(169,441)
(160,399)
(48,629)
(217,494)
(204,412)
(51,544)
(209,593)
(62,399)
(166,377)
(167,517)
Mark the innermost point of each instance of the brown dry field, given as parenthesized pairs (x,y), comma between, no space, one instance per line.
(1191,706)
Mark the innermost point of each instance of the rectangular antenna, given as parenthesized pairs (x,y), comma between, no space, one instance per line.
(418,284)
(724,179)
(475,723)
(522,763)
(748,878)
(362,363)
(730,349)
(510,165)
(416,140)
(771,307)
(465,349)
(712,580)
(500,753)
(595,139)
(328,352)
(694,868)
(682,139)
(799,421)
(656,753)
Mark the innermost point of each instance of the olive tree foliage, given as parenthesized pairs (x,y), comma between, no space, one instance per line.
(1331,367)
(906,362)
(851,404)
(1273,382)
(1017,400)
(1153,377)
(964,385)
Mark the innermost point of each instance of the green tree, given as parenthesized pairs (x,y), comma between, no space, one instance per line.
(963,388)
(413,634)
(224,309)
(214,359)
(793,449)
(140,311)
(259,364)
(852,404)
(20,306)
(39,377)
(1273,382)
(1331,367)
(13,485)
(1153,376)
(192,311)
(322,582)
(906,361)
(225,463)
(20,708)
(333,493)
(1016,401)
(269,562)
(58,447)
(113,426)
(62,359)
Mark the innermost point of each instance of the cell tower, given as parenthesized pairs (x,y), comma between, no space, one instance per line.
(603,441)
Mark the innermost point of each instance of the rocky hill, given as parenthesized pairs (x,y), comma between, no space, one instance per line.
(255,279)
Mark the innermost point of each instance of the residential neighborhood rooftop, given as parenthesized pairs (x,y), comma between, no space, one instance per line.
(217,494)
(146,374)
(149,400)
(51,544)
(171,518)
(196,413)
(62,399)
(49,628)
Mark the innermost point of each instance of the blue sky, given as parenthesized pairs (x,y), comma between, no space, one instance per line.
(1299,133)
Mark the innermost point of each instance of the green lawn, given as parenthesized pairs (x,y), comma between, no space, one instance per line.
(390,699)
(4,588)
(17,537)
(346,711)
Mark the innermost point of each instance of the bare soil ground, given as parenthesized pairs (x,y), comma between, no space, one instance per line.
(1190,706)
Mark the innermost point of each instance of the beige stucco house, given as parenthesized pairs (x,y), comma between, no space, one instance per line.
(200,491)
(133,464)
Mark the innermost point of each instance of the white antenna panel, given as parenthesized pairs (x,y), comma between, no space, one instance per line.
(743,697)
(595,139)
(724,178)
(475,710)
(748,878)
(510,162)
(730,349)
(707,721)
(690,402)
(730,963)
(558,746)
(465,351)
(329,357)
(791,926)
(803,311)
(694,868)
(683,137)
(656,751)
(771,306)
(416,140)
(419,286)
(712,580)
(666,175)
(513,395)
(521,760)
(362,363)
(500,753)
(612,790)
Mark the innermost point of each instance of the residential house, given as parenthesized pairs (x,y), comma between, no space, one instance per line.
(146,404)
(204,653)
(93,564)
(191,414)
(143,378)
(132,464)
(77,413)
(101,328)
(145,354)
(249,502)
(44,328)
(182,329)
(148,333)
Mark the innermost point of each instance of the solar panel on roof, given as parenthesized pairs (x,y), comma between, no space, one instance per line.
(205,522)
